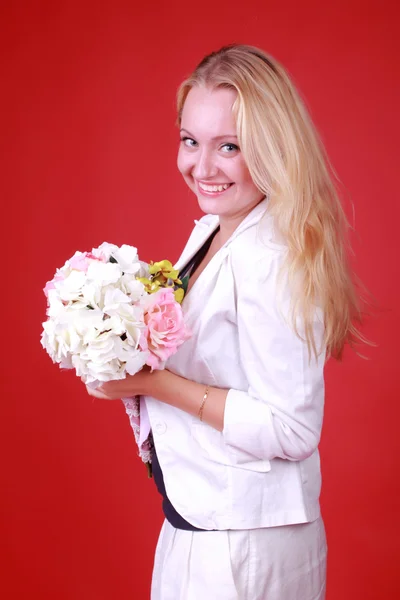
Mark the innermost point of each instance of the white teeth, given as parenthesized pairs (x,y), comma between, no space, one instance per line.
(214,188)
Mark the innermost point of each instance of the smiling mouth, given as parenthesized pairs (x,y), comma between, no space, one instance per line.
(214,189)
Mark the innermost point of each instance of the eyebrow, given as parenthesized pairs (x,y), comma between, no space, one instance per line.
(216,138)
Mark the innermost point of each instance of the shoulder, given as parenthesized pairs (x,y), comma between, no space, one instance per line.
(257,251)
(261,272)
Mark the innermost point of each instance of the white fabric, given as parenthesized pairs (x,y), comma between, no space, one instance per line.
(276,563)
(263,469)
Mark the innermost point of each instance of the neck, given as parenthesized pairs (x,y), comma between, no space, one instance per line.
(227,228)
(229,224)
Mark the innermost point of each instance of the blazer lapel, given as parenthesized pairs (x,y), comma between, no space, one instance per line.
(208,225)
(200,234)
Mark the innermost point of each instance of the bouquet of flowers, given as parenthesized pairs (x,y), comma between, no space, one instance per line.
(109,315)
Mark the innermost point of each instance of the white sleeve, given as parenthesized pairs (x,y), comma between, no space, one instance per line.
(280,415)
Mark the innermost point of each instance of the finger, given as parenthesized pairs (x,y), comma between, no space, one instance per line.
(96,393)
(106,388)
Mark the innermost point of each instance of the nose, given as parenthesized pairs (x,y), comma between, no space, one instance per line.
(205,167)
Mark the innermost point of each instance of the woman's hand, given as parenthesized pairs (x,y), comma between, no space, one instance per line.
(132,385)
(171,389)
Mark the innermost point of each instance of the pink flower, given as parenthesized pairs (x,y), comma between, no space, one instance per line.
(50,284)
(81,260)
(166,329)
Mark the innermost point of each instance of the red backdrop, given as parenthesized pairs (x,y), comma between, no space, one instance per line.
(88,149)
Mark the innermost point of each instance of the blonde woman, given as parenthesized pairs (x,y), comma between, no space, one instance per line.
(236,417)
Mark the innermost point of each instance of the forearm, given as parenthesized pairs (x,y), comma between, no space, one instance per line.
(188,395)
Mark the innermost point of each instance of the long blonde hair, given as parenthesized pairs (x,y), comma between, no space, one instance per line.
(288,163)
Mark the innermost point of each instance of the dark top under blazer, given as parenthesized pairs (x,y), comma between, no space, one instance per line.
(169,511)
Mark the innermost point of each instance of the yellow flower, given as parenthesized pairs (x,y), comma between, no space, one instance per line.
(179,293)
(163,275)
(164,270)
(151,286)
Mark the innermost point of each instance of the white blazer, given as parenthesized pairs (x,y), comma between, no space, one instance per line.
(263,469)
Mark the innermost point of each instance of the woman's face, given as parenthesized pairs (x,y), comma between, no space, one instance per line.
(209,157)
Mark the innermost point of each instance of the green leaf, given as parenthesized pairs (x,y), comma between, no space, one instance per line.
(185,283)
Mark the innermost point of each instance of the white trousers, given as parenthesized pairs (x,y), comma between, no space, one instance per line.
(274,563)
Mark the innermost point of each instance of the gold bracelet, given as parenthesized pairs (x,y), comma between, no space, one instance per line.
(203,403)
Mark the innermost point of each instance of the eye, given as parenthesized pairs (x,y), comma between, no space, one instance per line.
(229,148)
(189,142)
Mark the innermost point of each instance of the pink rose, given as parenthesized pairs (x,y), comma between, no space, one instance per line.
(166,329)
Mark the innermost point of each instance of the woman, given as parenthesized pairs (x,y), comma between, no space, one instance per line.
(236,417)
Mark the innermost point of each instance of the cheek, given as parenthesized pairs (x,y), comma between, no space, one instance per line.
(184,163)
(242,173)
(246,181)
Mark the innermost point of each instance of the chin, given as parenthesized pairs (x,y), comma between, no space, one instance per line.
(210,206)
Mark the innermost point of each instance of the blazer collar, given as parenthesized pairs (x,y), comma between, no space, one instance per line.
(252,219)
(208,225)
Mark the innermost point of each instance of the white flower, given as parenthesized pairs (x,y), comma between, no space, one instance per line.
(96,315)
(85,321)
(119,304)
(134,359)
(97,371)
(55,305)
(133,332)
(127,258)
(132,287)
(91,295)
(103,331)
(105,249)
(116,302)
(60,341)
(70,287)
(144,269)
(103,273)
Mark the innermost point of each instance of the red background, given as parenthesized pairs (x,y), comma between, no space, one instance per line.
(88,148)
